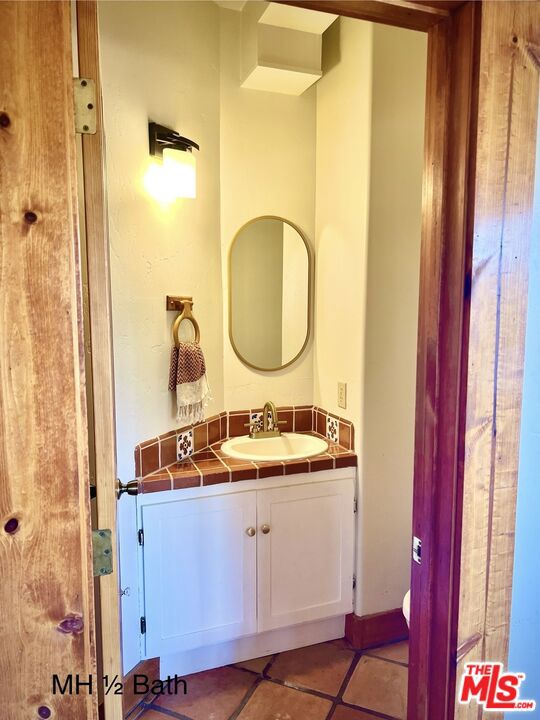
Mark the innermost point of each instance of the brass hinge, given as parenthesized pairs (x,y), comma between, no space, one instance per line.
(355,505)
(84,96)
(354,582)
(143,625)
(140,536)
(102,552)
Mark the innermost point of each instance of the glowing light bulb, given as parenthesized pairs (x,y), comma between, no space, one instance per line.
(180,172)
(156,184)
(174,177)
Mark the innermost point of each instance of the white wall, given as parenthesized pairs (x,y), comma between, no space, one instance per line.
(368,213)
(395,209)
(267,168)
(160,61)
(342,205)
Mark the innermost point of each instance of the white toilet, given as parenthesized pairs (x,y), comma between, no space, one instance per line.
(407,606)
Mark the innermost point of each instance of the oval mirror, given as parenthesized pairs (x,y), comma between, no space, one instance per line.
(269,293)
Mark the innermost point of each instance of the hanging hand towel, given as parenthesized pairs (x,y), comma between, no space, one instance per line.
(187,376)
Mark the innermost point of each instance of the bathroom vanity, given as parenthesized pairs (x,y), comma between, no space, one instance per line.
(226,568)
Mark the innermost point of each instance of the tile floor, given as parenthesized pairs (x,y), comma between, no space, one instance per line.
(328,681)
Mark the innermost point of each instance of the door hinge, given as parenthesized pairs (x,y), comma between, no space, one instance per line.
(354,582)
(355,505)
(140,536)
(417,550)
(143,625)
(84,96)
(102,552)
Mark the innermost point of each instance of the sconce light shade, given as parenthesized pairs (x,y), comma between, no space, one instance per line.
(178,170)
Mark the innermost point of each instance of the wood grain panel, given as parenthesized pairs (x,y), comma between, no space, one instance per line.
(47,621)
(502,230)
(99,293)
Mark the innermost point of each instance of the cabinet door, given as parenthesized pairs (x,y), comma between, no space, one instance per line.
(305,560)
(199,568)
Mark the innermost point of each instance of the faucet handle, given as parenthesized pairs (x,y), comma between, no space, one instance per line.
(253,428)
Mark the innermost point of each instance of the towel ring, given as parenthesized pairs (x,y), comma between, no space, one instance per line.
(186,314)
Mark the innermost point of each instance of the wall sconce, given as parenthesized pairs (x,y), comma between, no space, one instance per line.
(176,176)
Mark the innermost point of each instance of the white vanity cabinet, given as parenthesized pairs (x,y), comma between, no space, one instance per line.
(251,558)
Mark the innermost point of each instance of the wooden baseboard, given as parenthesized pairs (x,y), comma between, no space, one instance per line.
(371,630)
(130,700)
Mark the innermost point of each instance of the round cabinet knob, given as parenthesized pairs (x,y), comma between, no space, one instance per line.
(250,531)
(265,529)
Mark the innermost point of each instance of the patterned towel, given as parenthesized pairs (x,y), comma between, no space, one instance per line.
(187,375)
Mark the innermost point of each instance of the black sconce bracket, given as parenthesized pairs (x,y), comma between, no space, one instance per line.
(161,137)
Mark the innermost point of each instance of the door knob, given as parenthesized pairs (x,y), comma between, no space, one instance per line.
(250,531)
(265,529)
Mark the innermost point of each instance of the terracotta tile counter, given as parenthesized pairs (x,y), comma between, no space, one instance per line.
(201,462)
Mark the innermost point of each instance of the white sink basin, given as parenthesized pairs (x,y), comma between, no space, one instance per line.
(288,446)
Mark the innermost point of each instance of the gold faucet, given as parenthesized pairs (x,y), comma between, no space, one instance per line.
(268,410)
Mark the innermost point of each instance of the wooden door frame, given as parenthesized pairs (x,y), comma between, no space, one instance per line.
(454,38)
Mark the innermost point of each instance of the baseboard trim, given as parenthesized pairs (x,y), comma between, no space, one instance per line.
(368,631)
(130,701)
(253,646)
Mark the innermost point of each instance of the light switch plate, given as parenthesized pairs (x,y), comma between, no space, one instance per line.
(342,395)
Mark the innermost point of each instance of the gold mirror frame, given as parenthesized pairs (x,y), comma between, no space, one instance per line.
(309,299)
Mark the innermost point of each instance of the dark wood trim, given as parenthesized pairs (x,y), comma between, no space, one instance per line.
(400,13)
(130,701)
(453,48)
(369,631)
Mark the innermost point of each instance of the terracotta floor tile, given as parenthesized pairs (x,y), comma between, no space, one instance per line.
(399,652)
(346,713)
(342,643)
(257,665)
(318,667)
(153,715)
(380,686)
(211,695)
(271,701)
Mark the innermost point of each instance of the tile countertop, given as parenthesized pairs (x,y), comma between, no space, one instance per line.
(211,466)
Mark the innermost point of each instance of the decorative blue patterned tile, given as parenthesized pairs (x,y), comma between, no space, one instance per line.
(332,428)
(256,419)
(184,445)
